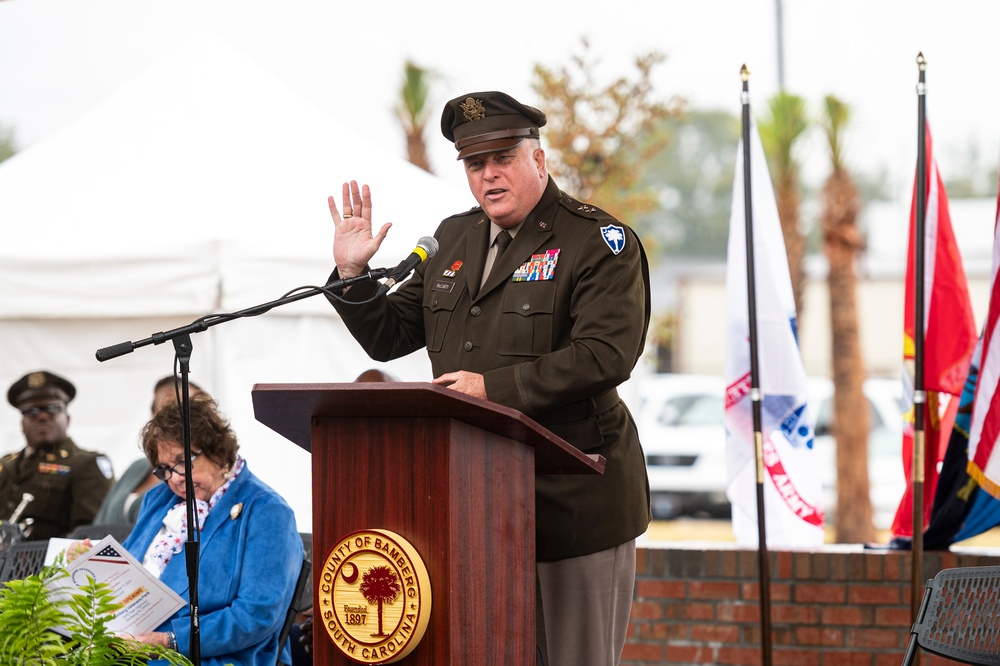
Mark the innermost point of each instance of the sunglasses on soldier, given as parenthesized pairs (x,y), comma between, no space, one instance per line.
(50,409)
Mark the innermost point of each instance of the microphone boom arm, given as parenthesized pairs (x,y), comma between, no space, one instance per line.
(204,323)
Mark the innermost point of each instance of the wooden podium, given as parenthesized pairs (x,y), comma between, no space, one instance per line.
(451,474)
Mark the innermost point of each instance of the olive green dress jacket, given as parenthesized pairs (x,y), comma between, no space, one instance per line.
(559,324)
(68,484)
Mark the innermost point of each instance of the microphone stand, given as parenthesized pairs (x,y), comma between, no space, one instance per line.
(183,347)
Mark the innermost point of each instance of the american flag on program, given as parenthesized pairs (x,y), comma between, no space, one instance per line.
(109,554)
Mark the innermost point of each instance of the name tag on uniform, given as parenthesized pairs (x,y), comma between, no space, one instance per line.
(443,285)
(53,468)
(539,267)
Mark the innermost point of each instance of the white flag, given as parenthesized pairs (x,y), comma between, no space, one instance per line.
(792,489)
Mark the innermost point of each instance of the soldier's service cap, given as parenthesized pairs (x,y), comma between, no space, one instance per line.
(485,122)
(40,384)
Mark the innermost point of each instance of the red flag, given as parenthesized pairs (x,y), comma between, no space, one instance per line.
(949,338)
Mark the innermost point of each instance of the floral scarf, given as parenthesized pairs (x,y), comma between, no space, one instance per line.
(171,537)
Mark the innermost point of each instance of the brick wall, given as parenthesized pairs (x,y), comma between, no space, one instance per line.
(840,606)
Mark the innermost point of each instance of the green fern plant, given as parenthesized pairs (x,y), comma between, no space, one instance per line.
(28,612)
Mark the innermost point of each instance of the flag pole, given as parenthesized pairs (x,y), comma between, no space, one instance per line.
(919,394)
(763,559)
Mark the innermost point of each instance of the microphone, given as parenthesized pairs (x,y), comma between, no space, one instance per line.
(426,248)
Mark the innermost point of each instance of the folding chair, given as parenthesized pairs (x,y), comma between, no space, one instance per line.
(301,601)
(98,531)
(9,535)
(959,617)
(23,559)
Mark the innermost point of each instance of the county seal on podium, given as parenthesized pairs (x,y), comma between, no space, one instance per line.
(374,597)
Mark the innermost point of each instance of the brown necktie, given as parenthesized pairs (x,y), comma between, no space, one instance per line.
(501,242)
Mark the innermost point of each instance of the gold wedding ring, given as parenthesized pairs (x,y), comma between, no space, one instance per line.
(347,216)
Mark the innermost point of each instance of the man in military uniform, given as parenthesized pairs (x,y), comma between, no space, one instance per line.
(65,484)
(538,302)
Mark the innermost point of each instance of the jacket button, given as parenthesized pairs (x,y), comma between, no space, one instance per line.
(467,346)
(476,311)
(526,307)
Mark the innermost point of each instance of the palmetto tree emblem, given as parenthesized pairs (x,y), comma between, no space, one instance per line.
(614,236)
(379,585)
(374,568)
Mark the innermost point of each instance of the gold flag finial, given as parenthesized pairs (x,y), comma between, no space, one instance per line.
(744,73)
(921,61)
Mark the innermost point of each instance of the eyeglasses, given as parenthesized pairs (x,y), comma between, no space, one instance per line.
(164,472)
(51,410)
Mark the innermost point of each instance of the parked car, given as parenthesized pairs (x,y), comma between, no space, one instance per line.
(680,422)
(885,442)
(680,426)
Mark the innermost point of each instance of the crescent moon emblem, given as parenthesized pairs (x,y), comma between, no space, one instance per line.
(353,576)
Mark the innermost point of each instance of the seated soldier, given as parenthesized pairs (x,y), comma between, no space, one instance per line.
(51,486)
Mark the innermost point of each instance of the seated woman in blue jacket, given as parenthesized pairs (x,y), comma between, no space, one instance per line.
(250,549)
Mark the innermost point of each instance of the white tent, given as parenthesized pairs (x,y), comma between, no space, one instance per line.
(198,188)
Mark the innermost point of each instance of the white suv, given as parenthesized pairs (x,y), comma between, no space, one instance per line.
(680,426)
(680,422)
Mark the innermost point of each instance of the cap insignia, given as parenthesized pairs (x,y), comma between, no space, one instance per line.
(36,380)
(473,109)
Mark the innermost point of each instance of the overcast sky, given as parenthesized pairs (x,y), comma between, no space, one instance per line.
(58,58)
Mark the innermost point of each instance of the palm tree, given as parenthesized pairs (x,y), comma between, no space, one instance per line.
(841,243)
(379,585)
(779,135)
(413,111)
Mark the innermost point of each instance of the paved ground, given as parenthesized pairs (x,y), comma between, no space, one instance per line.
(692,529)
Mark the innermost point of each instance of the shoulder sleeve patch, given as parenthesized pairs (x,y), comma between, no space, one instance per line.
(104,464)
(614,237)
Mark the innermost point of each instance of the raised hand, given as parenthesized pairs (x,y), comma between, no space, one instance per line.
(353,242)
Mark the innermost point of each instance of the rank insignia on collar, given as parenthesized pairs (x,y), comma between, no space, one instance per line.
(451,272)
(235,512)
(539,267)
(614,236)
